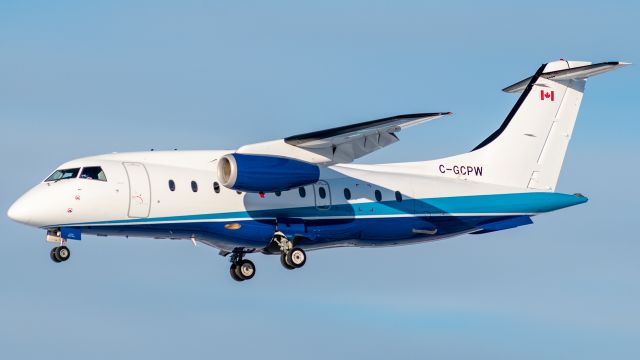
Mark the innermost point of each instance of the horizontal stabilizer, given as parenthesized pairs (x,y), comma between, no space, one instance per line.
(579,72)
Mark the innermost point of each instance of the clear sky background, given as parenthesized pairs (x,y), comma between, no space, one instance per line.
(79,78)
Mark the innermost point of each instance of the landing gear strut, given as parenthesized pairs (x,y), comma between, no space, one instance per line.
(241,269)
(60,253)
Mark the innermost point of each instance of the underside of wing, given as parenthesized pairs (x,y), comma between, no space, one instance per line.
(341,144)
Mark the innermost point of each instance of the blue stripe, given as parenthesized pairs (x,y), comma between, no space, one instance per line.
(520,203)
(313,234)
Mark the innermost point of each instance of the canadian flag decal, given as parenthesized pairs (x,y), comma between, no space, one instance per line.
(547,95)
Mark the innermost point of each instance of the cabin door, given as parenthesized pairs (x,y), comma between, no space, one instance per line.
(139,190)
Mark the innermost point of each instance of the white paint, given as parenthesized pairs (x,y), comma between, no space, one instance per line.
(526,157)
(139,190)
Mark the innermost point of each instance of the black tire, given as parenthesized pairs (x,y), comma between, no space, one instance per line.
(52,253)
(62,253)
(283,261)
(246,269)
(296,257)
(234,275)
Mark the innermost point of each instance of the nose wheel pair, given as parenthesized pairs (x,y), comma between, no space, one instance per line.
(60,254)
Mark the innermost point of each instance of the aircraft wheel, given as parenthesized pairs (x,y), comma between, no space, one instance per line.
(53,255)
(233,273)
(285,264)
(62,253)
(296,257)
(246,269)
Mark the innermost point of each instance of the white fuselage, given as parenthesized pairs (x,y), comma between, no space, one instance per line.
(82,201)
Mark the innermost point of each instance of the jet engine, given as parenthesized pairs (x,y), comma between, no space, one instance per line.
(261,173)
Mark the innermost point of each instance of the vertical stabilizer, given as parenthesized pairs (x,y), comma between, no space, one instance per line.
(528,149)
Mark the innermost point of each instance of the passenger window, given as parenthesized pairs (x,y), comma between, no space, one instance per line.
(194,186)
(216,187)
(347,194)
(398,196)
(63,174)
(302,192)
(378,195)
(172,185)
(322,192)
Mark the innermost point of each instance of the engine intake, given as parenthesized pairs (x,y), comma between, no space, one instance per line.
(261,173)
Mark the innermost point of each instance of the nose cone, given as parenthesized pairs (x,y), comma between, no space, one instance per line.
(19,212)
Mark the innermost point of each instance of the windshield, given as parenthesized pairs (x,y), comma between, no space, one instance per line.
(93,173)
(62,174)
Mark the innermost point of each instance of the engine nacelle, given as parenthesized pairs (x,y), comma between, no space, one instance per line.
(261,173)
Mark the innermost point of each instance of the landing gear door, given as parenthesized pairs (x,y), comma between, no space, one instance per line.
(322,195)
(139,190)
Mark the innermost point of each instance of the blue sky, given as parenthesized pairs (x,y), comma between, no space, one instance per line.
(79,78)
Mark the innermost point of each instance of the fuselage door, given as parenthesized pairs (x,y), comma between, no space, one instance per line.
(139,190)
(322,195)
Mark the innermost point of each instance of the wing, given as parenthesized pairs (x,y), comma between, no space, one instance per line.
(341,144)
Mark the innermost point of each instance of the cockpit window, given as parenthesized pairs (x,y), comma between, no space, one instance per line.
(62,174)
(93,173)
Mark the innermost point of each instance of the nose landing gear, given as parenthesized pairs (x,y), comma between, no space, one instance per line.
(60,254)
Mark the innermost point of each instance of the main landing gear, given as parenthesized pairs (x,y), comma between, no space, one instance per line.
(60,254)
(295,258)
(241,269)
(290,257)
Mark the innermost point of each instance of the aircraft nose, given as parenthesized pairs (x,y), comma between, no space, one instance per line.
(19,212)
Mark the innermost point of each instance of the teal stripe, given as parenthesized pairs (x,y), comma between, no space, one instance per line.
(526,203)
(505,203)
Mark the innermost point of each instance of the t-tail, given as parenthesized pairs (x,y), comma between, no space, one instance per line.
(528,149)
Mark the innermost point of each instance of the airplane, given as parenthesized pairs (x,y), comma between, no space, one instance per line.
(300,193)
